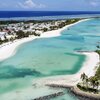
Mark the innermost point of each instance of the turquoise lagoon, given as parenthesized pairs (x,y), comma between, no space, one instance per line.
(48,57)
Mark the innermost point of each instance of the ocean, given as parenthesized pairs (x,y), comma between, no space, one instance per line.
(45,15)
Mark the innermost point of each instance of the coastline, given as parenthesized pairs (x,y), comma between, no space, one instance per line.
(90,63)
(70,81)
(9,49)
(92,59)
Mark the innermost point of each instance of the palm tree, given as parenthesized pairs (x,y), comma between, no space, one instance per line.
(93,81)
(98,46)
(87,81)
(83,77)
(97,84)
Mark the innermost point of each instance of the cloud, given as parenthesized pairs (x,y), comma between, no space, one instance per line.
(94,4)
(28,4)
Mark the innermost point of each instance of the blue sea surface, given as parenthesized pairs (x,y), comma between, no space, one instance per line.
(46,15)
(49,57)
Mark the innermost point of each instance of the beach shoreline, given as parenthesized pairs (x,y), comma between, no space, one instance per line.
(9,49)
(92,58)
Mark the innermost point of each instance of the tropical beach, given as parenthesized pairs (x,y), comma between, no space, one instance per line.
(10,48)
(91,61)
(49,50)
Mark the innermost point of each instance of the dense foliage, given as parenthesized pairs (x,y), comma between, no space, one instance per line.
(98,73)
(87,89)
(5,22)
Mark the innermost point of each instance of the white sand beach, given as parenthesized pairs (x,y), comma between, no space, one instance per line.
(89,65)
(64,80)
(89,68)
(92,60)
(9,49)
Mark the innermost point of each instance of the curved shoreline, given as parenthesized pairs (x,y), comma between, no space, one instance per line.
(62,80)
(78,92)
(88,95)
(9,49)
(71,80)
(90,63)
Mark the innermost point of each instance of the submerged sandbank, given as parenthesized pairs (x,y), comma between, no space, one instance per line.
(92,60)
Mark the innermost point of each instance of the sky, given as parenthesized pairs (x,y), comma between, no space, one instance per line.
(49,5)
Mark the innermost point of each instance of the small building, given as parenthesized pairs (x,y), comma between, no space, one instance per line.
(2,35)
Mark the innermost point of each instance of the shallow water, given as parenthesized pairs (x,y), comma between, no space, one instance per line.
(48,57)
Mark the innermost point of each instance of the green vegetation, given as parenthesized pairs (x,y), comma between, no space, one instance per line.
(45,29)
(67,22)
(91,84)
(5,22)
(87,89)
(97,75)
(21,34)
(98,51)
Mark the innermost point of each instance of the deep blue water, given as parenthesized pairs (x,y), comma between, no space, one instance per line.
(12,14)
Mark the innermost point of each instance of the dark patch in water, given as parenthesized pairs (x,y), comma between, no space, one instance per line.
(92,36)
(76,38)
(12,72)
(61,72)
(53,46)
(78,49)
(71,54)
(74,69)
